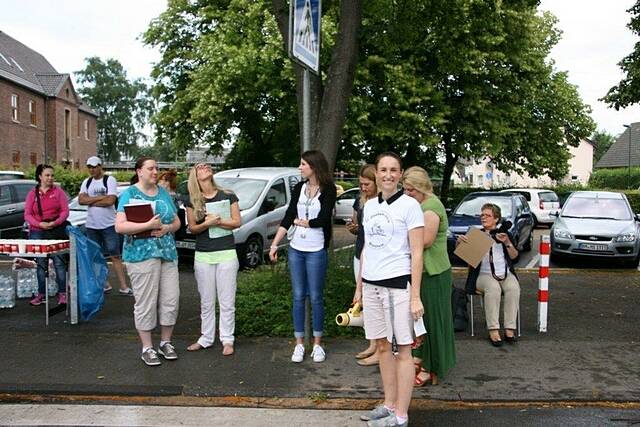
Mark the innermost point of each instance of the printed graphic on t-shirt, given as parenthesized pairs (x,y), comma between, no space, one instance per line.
(379,229)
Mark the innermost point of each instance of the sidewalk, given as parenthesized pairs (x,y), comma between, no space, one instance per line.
(589,354)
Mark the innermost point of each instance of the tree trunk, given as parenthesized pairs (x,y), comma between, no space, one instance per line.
(329,101)
(449,164)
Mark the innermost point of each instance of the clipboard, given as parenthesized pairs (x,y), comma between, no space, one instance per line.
(475,248)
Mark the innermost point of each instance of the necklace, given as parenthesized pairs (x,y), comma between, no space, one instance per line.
(307,205)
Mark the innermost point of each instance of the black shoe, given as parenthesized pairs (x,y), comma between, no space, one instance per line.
(496,343)
(510,339)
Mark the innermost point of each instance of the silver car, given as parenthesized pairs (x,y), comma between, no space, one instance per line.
(596,224)
(263,196)
(344,205)
(78,212)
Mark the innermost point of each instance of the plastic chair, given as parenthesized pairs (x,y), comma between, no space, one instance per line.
(482,306)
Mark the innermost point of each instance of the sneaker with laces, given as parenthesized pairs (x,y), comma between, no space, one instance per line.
(318,354)
(62,298)
(388,421)
(298,353)
(378,412)
(37,300)
(168,351)
(150,357)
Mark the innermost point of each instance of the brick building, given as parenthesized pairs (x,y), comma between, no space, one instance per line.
(42,118)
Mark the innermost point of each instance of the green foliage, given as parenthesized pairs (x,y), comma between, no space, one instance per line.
(263,299)
(627,92)
(124,106)
(347,185)
(615,178)
(602,141)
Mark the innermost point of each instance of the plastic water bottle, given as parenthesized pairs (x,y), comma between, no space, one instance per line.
(52,286)
(7,292)
(27,283)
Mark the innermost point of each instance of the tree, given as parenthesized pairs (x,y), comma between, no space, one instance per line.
(627,92)
(123,106)
(224,77)
(602,140)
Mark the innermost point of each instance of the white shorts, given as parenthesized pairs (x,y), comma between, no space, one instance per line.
(380,321)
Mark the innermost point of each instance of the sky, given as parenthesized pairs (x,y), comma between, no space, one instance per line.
(595,38)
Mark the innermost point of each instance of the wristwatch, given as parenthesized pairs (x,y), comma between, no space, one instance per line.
(508,245)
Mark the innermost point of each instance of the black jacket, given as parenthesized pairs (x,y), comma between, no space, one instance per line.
(472,277)
(327,200)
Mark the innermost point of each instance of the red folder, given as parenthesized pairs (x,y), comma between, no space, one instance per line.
(139,213)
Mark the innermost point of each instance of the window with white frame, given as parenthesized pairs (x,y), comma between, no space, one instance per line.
(32,113)
(86,129)
(14,108)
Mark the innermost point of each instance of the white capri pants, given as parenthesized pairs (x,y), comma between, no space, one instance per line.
(156,290)
(217,280)
(379,321)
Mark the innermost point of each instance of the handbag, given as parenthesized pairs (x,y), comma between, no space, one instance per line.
(56,233)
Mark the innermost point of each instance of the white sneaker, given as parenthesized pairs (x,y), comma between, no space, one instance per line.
(318,354)
(298,353)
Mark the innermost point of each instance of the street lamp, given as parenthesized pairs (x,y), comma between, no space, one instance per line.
(629,163)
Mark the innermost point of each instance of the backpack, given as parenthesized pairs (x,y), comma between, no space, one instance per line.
(105,178)
(459,309)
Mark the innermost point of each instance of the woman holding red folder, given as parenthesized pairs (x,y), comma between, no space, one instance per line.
(151,259)
(215,261)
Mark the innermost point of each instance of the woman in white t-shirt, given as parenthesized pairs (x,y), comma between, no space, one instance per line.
(310,213)
(388,286)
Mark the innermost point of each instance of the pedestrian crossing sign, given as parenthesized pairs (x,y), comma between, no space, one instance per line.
(304,33)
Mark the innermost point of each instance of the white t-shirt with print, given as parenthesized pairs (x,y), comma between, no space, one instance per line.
(308,239)
(387,252)
(100,217)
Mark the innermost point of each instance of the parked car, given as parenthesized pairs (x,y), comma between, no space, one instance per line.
(514,208)
(597,224)
(4,175)
(13,194)
(78,212)
(263,196)
(344,205)
(541,202)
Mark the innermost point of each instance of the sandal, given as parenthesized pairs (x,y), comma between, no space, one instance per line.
(195,347)
(365,353)
(419,381)
(227,349)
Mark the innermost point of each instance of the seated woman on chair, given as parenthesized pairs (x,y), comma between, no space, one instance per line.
(494,276)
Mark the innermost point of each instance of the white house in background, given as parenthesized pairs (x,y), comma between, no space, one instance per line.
(484,174)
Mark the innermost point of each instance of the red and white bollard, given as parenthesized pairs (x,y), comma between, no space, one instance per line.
(543,283)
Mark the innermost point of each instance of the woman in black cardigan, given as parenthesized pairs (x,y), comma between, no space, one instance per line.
(310,216)
(495,276)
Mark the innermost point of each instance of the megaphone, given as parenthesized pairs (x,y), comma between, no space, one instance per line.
(353,317)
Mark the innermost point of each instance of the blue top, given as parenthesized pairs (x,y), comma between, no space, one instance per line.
(137,250)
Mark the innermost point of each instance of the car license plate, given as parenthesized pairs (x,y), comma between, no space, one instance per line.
(593,247)
(185,245)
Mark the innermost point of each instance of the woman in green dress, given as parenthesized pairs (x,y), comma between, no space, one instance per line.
(436,354)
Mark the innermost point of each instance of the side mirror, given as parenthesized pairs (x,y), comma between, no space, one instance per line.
(638,217)
(448,211)
(554,213)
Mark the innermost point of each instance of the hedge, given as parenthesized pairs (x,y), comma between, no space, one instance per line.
(263,298)
(615,178)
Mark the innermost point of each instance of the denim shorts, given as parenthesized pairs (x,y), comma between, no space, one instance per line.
(108,239)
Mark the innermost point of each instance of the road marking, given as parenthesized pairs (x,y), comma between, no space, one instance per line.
(533,261)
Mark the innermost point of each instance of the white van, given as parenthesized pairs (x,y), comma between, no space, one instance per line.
(541,202)
(263,196)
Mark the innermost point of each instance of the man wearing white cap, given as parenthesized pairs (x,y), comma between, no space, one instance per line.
(99,193)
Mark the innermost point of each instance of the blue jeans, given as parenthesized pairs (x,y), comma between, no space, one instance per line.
(110,242)
(58,262)
(308,271)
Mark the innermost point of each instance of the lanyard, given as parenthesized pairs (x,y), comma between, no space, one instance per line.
(307,203)
(493,268)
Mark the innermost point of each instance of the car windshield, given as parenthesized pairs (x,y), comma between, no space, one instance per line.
(472,207)
(596,208)
(247,190)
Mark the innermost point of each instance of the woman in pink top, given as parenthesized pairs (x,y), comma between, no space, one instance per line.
(46,208)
